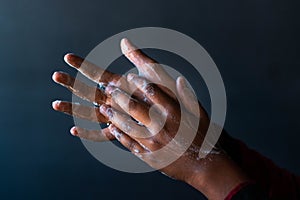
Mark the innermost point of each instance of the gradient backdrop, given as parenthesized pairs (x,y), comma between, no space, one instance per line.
(254,43)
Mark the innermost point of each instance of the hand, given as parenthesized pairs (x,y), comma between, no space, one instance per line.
(144,141)
(145,65)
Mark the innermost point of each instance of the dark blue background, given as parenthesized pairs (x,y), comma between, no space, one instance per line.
(254,43)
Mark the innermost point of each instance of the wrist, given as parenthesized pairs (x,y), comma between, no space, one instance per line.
(216,176)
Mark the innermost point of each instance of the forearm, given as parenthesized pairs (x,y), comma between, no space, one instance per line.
(274,181)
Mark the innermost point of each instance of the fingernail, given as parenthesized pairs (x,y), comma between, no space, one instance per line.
(124,47)
(54,76)
(182,81)
(109,89)
(115,132)
(114,93)
(60,76)
(55,104)
(74,131)
(106,111)
(67,57)
(127,46)
(103,108)
(73,60)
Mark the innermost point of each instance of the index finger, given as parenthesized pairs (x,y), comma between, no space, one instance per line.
(94,72)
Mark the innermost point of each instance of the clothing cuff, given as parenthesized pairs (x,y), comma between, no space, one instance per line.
(237,189)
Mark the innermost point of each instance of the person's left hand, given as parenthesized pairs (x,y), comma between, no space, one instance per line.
(146,66)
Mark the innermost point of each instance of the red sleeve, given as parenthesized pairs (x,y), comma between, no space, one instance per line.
(278,183)
(235,190)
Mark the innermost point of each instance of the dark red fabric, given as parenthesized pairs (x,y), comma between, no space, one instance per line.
(237,189)
(278,183)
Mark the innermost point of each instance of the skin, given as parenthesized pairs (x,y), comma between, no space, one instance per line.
(215,175)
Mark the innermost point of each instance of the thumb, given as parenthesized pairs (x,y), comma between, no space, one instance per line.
(187,96)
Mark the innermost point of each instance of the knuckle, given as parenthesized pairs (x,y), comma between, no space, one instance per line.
(132,145)
(154,142)
(132,105)
(150,89)
(98,97)
(110,113)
